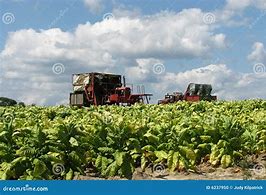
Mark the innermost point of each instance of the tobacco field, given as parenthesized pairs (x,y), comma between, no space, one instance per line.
(62,142)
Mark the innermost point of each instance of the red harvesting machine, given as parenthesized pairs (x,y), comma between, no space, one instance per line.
(104,89)
(194,93)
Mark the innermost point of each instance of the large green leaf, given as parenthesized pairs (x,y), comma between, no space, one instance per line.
(226,161)
(39,167)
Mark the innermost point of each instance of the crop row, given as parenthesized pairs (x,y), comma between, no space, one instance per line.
(61,142)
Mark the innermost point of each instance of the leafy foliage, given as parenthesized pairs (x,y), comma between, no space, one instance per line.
(34,140)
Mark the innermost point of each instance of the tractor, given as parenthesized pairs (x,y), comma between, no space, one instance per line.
(104,89)
(194,93)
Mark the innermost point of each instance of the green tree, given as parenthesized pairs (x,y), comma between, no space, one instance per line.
(4,101)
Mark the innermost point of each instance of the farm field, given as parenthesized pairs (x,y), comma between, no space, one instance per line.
(184,140)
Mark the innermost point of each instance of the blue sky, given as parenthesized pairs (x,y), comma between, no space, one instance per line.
(38,14)
(228,51)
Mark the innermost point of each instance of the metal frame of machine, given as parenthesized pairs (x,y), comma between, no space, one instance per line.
(103,89)
(194,93)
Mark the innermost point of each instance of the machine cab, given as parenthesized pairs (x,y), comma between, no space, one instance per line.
(121,94)
(123,91)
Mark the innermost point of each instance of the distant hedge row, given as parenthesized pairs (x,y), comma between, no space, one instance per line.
(4,101)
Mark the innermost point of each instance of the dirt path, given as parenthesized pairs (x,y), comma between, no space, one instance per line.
(254,167)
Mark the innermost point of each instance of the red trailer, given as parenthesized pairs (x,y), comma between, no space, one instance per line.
(124,95)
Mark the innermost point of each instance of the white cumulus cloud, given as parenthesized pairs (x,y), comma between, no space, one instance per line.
(258,54)
(94,6)
(226,83)
(123,45)
(240,5)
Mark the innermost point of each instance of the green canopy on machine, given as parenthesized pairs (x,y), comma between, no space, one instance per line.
(203,90)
